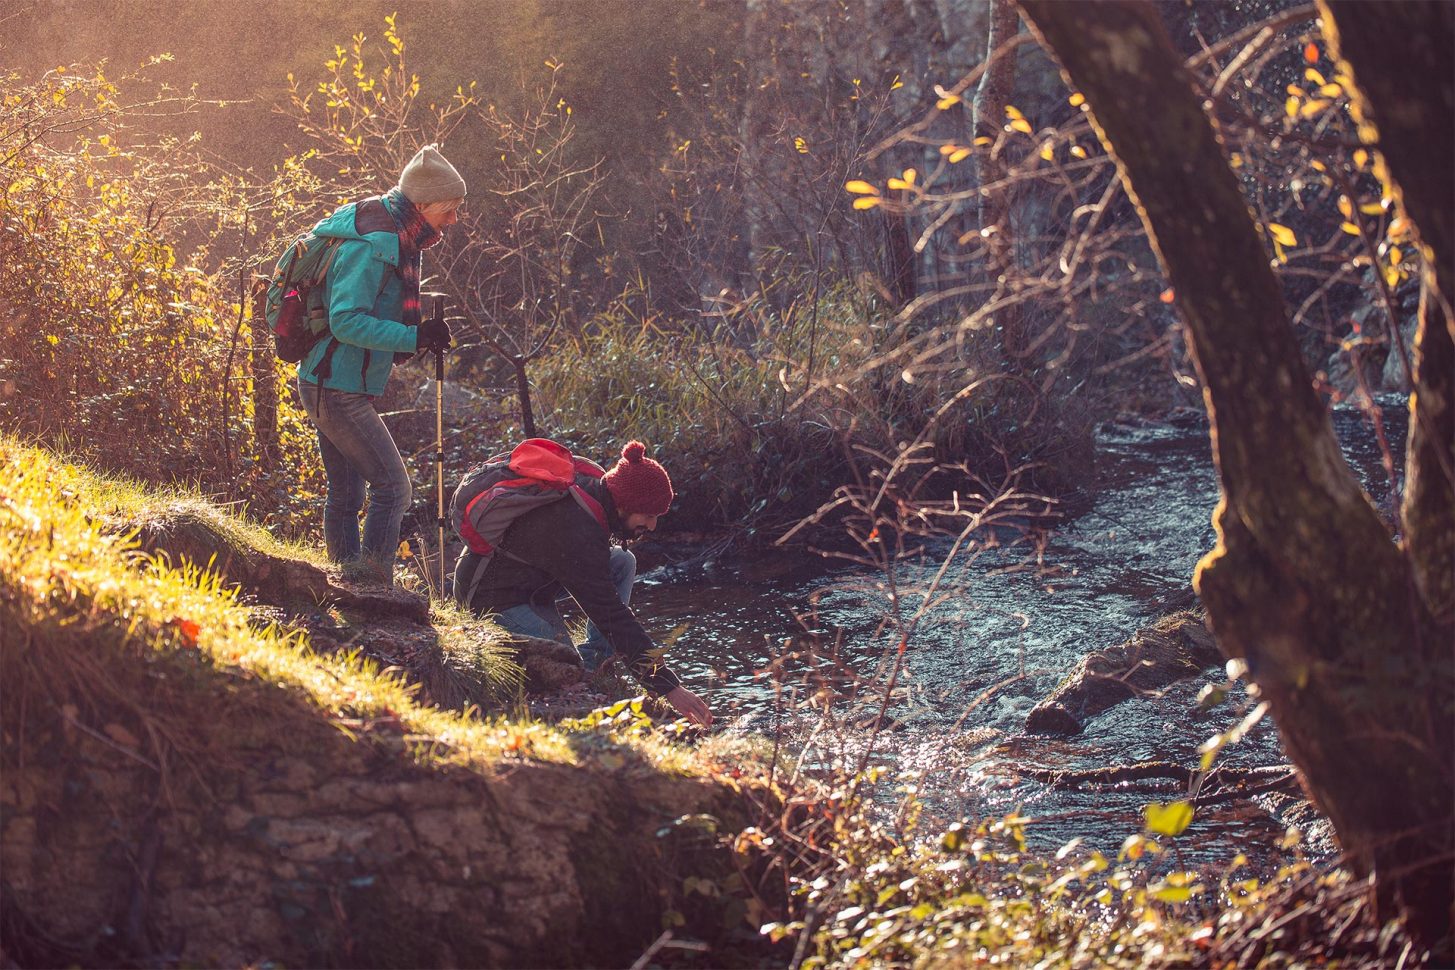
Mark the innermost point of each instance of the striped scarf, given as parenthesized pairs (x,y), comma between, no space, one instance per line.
(415,236)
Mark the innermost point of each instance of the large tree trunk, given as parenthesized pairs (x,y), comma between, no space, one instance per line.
(1305,583)
(1402,57)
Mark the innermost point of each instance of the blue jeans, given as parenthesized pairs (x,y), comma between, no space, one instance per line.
(358,451)
(540,618)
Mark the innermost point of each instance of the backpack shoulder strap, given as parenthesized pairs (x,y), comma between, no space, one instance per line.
(589,502)
(333,248)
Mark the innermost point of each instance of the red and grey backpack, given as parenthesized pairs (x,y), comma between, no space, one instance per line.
(494,494)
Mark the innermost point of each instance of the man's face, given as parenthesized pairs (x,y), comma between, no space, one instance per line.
(636,525)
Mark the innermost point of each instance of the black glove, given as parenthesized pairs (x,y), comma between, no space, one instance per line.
(434,335)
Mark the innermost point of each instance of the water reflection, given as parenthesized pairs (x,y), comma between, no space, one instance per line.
(1016,623)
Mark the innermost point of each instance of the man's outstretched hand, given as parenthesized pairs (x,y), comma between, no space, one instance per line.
(690,706)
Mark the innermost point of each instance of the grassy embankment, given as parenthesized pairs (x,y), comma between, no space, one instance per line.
(184,778)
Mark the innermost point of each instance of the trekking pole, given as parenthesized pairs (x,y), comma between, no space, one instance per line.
(439,441)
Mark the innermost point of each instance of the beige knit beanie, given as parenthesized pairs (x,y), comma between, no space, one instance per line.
(430,178)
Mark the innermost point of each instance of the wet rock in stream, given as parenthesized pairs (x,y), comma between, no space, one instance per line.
(1175,647)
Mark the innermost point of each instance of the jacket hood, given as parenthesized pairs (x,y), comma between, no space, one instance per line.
(366,221)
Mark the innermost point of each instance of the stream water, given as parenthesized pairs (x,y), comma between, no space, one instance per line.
(1012,626)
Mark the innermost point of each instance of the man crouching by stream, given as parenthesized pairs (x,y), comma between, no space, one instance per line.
(563,547)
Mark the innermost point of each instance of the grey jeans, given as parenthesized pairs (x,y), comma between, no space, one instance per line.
(359,457)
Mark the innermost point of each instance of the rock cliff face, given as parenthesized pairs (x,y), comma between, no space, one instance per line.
(169,811)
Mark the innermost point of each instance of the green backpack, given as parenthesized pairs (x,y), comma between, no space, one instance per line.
(296,317)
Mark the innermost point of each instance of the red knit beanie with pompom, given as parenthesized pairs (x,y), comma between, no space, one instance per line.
(638,484)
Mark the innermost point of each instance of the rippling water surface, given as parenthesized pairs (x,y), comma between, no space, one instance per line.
(1011,628)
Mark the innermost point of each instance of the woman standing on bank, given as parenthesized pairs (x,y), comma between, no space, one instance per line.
(371,295)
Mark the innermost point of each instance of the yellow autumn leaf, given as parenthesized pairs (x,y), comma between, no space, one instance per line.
(1399,228)
(1312,108)
(1282,234)
(1391,276)
(1361,157)
(1290,107)
(1345,208)
(800,146)
(1395,255)
(1371,208)
(860,187)
(1315,77)
(1077,100)
(1318,166)
(959,155)
(1295,90)
(1350,228)
(1021,125)
(1170,819)
(1077,151)
(1012,112)
(1048,152)
(948,101)
(1330,90)
(866,202)
(984,140)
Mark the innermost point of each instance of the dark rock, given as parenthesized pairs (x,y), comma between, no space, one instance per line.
(198,535)
(1177,646)
(549,666)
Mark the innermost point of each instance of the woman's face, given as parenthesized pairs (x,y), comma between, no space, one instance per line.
(442,214)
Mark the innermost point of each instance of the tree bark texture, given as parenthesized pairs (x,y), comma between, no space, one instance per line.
(1429,498)
(1402,59)
(522,395)
(991,97)
(1305,581)
(264,382)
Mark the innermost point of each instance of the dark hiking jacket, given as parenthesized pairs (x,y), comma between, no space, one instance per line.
(562,546)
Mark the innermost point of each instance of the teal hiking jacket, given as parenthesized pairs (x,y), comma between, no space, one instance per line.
(364,295)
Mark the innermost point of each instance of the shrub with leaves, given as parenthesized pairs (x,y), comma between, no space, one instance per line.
(726,408)
(112,342)
(975,893)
